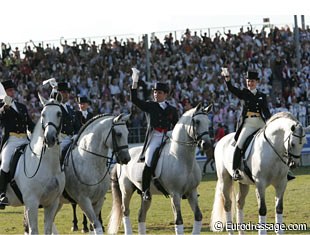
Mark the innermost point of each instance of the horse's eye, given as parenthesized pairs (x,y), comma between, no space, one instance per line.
(119,135)
(197,122)
(293,145)
(59,114)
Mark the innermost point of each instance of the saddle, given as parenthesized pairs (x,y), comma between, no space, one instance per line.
(13,165)
(244,158)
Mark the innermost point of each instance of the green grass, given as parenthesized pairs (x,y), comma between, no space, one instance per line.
(160,217)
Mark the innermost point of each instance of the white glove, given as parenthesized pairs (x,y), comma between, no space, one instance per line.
(225,74)
(7,100)
(135,74)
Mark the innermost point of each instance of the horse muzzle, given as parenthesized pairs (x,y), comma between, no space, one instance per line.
(123,157)
(50,138)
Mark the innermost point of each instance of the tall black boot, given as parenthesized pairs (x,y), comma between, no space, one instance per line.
(4,178)
(146,182)
(236,164)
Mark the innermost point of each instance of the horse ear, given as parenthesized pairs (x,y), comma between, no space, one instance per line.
(307,129)
(209,108)
(42,99)
(59,97)
(199,105)
(118,118)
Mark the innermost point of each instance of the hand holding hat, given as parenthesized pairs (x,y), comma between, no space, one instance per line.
(135,74)
(7,100)
(225,74)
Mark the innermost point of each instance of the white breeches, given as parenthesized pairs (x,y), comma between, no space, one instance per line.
(9,149)
(250,126)
(155,142)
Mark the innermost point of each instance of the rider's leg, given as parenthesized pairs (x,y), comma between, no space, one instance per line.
(146,182)
(147,171)
(4,179)
(236,164)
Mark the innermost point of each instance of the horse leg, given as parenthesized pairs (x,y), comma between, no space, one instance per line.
(145,206)
(262,209)
(193,202)
(127,194)
(32,215)
(49,216)
(26,222)
(85,227)
(243,192)
(280,189)
(75,220)
(176,207)
(87,207)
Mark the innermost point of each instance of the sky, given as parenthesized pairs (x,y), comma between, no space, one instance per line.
(50,20)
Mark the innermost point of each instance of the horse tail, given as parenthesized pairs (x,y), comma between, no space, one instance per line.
(116,211)
(218,212)
(218,216)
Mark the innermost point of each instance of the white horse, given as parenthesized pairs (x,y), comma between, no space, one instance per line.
(177,171)
(87,163)
(39,175)
(270,154)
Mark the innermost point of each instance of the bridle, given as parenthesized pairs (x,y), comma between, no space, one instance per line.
(288,155)
(43,149)
(115,151)
(58,128)
(197,137)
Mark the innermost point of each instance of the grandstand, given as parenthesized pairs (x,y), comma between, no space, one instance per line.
(190,60)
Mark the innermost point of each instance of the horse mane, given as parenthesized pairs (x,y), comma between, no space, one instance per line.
(90,121)
(282,115)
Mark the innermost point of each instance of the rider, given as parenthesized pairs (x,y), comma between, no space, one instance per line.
(162,118)
(83,114)
(70,125)
(14,120)
(254,114)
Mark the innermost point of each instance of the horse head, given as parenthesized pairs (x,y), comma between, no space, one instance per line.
(294,144)
(119,138)
(51,117)
(200,126)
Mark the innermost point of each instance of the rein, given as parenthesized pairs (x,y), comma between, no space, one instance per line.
(43,149)
(287,154)
(116,150)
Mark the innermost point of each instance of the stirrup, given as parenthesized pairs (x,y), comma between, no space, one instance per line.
(146,195)
(3,201)
(236,175)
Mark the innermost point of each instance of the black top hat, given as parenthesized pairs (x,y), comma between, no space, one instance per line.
(63,86)
(83,99)
(252,75)
(8,84)
(161,87)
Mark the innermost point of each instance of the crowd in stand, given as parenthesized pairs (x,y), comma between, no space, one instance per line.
(191,65)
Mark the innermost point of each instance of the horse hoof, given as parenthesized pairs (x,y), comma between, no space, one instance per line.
(85,230)
(74,228)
